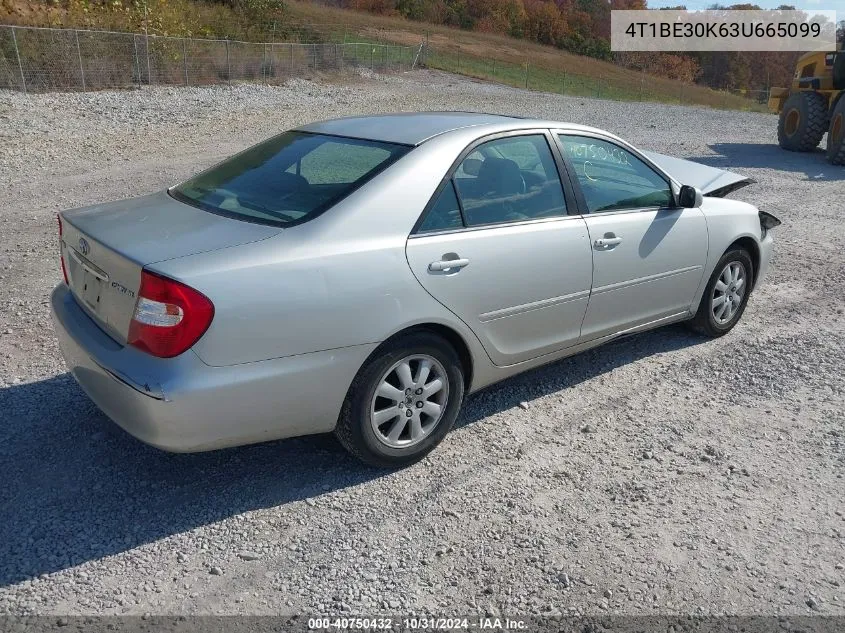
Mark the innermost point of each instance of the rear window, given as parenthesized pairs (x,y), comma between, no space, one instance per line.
(289,178)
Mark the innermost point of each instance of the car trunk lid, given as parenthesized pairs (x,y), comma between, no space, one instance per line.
(106,246)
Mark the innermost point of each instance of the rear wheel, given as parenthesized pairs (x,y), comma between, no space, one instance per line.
(726,295)
(836,134)
(803,121)
(403,401)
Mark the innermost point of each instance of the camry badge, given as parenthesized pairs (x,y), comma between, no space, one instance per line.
(84,248)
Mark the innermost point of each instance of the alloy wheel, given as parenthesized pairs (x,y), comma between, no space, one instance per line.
(728,293)
(410,401)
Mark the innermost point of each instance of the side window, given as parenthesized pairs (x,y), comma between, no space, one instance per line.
(444,214)
(508,180)
(612,177)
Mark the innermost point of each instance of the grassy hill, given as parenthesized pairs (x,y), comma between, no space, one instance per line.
(512,61)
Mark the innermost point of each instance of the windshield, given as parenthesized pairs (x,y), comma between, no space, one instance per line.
(289,178)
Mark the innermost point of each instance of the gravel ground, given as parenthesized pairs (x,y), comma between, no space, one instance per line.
(660,474)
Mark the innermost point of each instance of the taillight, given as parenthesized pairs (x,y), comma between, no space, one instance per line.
(169,316)
(61,250)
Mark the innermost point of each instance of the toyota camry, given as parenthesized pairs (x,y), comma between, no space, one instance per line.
(362,275)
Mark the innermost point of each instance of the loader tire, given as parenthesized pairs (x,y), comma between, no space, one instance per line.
(839,71)
(836,134)
(803,122)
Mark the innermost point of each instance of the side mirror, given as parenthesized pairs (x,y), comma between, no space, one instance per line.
(690,197)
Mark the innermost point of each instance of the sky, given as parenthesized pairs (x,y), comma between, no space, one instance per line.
(828,5)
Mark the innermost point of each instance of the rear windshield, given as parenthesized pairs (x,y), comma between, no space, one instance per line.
(289,178)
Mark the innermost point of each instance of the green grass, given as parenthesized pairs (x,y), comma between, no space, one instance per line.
(542,79)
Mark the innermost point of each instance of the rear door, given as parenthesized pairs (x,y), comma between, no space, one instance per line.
(497,247)
(648,254)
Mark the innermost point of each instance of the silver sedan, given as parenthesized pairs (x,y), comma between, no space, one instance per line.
(362,275)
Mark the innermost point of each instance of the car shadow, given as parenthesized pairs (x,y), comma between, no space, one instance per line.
(77,488)
(735,156)
(569,372)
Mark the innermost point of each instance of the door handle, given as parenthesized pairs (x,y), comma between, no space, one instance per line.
(448,264)
(607,242)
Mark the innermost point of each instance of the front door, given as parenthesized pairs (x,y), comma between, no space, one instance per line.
(648,255)
(497,248)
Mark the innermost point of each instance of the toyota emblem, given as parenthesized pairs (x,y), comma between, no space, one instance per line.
(84,248)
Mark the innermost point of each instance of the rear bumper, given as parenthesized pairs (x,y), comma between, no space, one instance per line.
(183,405)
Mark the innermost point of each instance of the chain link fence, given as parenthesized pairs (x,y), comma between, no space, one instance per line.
(42,59)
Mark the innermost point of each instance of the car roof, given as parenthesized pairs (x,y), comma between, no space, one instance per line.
(413,128)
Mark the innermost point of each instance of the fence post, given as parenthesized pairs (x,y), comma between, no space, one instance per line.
(185,57)
(290,65)
(228,65)
(419,51)
(137,61)
(526,75)
(18,55)
(79,56)
(149,71)
(264,62)
(564,82)
(372,55)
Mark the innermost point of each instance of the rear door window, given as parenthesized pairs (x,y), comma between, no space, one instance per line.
(289,178)
(444,214)
(510,179)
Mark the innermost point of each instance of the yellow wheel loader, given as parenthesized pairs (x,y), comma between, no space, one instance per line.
(815,104)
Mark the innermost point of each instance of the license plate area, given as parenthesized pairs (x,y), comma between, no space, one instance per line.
(88,281)
(91,289)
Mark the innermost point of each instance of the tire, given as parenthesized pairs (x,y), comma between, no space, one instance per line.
(836,133)
(368,437)
(706,320)
(839,71)
(803,121)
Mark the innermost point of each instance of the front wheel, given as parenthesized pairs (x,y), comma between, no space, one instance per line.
(726,294)
(403,401)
